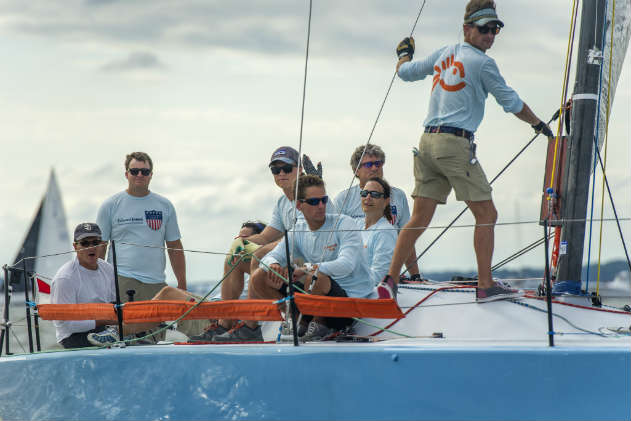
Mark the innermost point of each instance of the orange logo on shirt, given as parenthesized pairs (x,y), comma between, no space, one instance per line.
(457,70)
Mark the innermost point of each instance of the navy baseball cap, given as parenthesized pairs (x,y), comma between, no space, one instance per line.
(285,154)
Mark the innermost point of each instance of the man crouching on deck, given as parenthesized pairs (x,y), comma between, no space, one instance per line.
(331,243)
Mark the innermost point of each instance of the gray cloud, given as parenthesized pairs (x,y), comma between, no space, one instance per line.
(135,61)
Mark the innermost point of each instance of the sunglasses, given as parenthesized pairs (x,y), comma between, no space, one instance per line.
(143,171)
(485,29)
(285,168)
(86,243)
(372,193)
(314,201)
(369,164)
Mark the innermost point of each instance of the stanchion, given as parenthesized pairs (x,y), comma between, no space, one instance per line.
(548,286)
(7,301)
(35,317)
(119,309)
(28,308)
(290,291)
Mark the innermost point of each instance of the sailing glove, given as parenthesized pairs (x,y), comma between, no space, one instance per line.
(543,128)
(406,48)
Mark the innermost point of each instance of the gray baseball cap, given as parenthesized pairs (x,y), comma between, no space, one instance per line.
(85,230)
(285,154)
(483,16)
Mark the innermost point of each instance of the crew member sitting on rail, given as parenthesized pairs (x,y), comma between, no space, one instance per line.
(378,235)
(285,166)
(332,245)
(367,161)
(84,279)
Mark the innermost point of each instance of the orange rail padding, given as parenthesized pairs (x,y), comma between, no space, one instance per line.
(317,305)
(85,311)
(158,311)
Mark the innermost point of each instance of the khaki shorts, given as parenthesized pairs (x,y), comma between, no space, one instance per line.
(443,163)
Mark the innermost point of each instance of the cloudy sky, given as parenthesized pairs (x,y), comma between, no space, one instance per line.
(210,88)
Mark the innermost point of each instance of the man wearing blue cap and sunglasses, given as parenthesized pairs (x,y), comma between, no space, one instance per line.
(463,76)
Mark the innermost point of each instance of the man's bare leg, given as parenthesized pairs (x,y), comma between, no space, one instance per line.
(259,289)
(422,214)
(260,253)
(484,239)
(232,286)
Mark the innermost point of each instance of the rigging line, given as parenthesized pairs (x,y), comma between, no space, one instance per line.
(372,130)
(554,117)
(519,253)
(606,141)
(566,79)
(302,118)
(615,212)
(523,304)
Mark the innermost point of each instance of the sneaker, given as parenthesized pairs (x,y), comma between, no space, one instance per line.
(240,333)
(317,332)
(108,336)
(387,288)
(496,292)
(209,333)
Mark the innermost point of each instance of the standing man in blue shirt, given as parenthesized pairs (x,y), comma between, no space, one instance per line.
(463,76)
(142,218)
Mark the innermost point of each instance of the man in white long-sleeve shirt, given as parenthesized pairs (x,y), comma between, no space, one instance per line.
(84,279)
(333,246)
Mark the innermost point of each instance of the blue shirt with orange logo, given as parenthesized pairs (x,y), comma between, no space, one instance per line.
(463,76)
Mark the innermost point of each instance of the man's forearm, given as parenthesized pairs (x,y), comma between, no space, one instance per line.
(527,115)
(178,262)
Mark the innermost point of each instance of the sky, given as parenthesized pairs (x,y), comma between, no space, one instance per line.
(209,89)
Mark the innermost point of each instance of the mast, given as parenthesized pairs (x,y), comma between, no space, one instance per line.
(581,142)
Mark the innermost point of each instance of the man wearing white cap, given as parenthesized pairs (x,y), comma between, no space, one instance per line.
(463,76)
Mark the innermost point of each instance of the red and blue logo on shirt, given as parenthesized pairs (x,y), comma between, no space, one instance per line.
(154,219)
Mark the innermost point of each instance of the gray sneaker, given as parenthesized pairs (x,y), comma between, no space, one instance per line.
(316,332)
(496,292)
(240,333)
(209,333)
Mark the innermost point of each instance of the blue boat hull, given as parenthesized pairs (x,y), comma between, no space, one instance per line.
(319,382)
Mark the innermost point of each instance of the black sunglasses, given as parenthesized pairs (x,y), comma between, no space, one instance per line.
(143,171)
(86,243)
(284,168)
(374,194)
(369,164)
(485,29)
(314,201)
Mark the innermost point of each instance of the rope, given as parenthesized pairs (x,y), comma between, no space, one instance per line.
(602,196)
(372,130)
(302,117)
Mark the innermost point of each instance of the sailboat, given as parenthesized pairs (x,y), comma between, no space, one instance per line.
(448,358)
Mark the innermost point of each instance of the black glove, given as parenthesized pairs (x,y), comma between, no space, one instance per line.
(543,129)
(406,48)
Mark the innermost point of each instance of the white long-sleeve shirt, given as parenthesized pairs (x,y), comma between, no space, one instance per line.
(338,254)
(379,241)
(74,284)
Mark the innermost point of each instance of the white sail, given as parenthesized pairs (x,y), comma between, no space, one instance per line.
(621,33)
(53,231)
